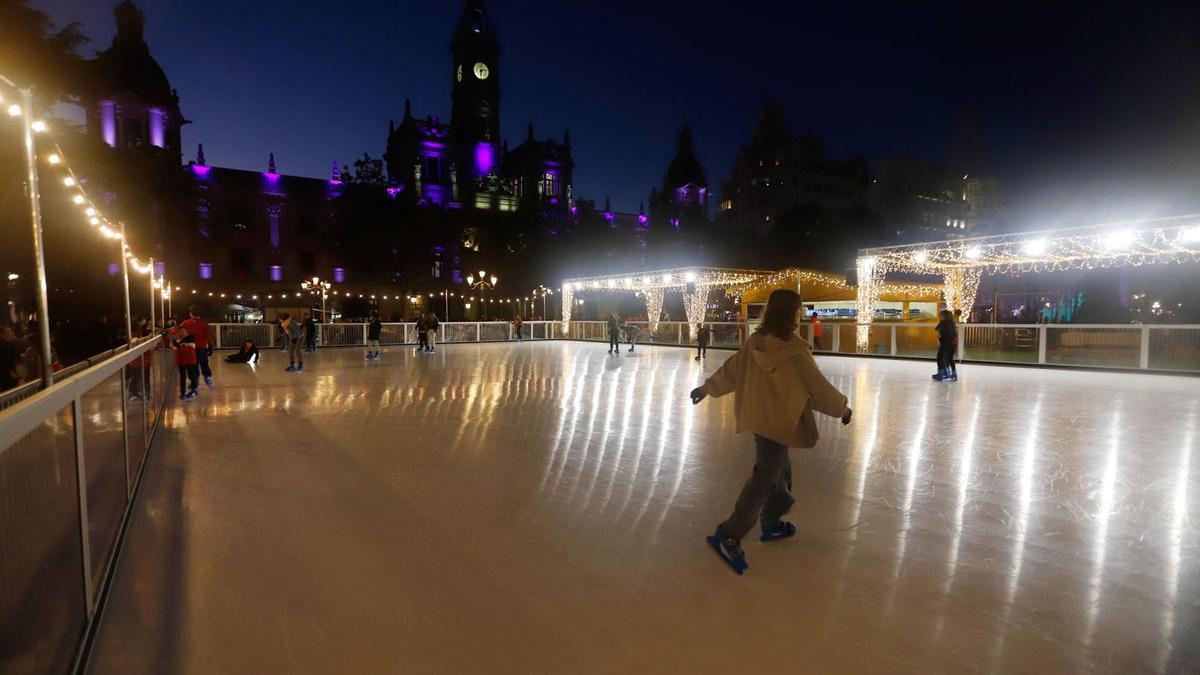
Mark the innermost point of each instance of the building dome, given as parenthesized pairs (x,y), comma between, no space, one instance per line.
(127,66)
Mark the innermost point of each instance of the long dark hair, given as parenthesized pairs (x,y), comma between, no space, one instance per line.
(946,315)
(779,319)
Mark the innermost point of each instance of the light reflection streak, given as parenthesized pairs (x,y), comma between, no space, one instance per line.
(1025,497)
(965,465)
(669,402)
(1175,534)
(1103,516)
(915,450)
(626,417)
(567,407)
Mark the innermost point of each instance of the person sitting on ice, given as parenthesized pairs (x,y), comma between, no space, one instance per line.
(247,354)
(777,386)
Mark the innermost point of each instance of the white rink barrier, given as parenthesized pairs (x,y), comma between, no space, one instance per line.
(1168,348)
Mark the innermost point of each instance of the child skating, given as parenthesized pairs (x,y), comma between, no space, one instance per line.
(777,387)
(702,337)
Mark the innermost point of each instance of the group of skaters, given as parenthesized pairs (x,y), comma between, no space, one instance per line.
(632,332)
(191,344)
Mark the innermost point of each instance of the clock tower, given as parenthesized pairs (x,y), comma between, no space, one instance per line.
(475,115)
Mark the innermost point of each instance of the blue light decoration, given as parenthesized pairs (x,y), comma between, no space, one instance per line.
(276,273)
(205,270)
(394,190)
(160,269)
(339,275)
(200,171)
(113,269)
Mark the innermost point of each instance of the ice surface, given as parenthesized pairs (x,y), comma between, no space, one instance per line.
(542,507)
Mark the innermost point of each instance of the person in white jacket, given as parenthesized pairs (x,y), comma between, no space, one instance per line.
(777,387)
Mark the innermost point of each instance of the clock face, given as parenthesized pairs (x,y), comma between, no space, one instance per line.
(458,75)
(481,71)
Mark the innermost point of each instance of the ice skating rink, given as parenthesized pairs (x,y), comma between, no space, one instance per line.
(542,507)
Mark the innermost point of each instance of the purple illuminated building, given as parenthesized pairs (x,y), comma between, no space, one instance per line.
(464,164)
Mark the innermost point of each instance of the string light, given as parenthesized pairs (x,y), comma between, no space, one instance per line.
(38,126)
(14,110)
(54,159)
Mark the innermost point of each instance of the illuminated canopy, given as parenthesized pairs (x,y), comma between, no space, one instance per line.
(694,283)
(962,263)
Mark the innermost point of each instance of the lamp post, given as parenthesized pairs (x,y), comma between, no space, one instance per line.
(541,291)
(485,283)
(314,285)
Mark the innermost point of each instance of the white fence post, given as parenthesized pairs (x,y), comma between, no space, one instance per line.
(837,334)
(893,327)
(218,340)
(1144,357)
(478,337)
(364,335)
(1042,329)
(962,345)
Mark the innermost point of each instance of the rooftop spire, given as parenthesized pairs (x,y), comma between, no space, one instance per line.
(337,173)
(407,108)
(529,134)
(271,163)
(130,25)
(567,137)
(200,154)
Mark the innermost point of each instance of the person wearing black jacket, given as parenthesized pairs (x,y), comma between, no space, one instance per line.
(614,334)
(947,344)
(422,334)
(310,333)
(247,354)
(373,330)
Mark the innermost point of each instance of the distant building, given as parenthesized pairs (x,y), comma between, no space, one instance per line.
(913,201)
(778,172)
(451,190)
(683,201)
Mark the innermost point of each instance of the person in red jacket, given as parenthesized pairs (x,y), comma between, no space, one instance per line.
(199,329)
(816,331)
(183,346)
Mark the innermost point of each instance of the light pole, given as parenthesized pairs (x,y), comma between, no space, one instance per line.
(314,285)
(542,291)
(484,283)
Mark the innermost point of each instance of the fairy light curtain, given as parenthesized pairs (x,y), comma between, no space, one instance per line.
(962,263)
(693,283)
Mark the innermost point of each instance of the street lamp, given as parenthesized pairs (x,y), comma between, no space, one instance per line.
(485,283)
(541,291)
(314,285)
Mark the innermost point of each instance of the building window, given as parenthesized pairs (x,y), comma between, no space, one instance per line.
(308,263)
(205,270)
(276,273)
(550,183)
(243,261)
(273,222)
(432,172)
(726,205)
(202,218)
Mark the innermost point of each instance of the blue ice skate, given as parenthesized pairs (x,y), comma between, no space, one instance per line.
(782,529)
(939,375)
(730,550)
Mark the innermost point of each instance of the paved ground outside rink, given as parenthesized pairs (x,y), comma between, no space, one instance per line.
(541,508)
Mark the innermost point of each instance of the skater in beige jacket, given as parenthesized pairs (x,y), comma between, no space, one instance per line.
(777,388)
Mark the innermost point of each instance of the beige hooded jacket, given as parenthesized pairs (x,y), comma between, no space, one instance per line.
(778,386)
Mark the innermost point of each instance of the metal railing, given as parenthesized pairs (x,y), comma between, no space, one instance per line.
(233,335)
(70,459)
(1162,348)
(1123,346)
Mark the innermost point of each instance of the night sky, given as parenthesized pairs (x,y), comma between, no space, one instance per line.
(1086,113)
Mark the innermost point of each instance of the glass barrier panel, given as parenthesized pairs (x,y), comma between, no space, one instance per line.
(493,331)
(234,335)
(1103,347)
(999,343)
(1175,349)
(456,332)
(916,340)
(104,468)
(42,611)
(392,334)
(136,376)
(879,339)
(341,334)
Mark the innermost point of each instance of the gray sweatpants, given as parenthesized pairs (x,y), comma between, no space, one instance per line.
(767,495)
